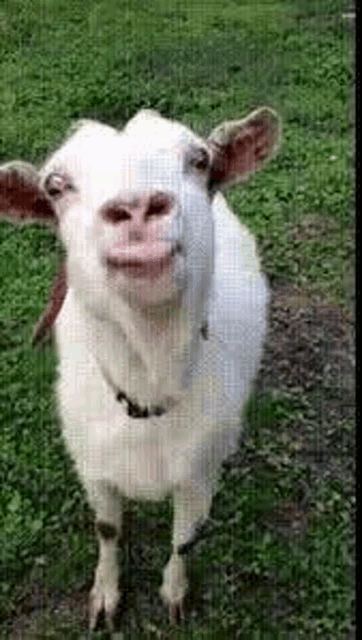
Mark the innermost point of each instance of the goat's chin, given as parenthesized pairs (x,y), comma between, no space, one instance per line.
(142,291)
(162,288)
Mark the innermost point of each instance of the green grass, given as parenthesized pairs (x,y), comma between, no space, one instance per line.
(199,62)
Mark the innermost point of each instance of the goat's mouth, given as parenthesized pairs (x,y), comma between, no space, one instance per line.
(142,267)
(149,269)
(145,269)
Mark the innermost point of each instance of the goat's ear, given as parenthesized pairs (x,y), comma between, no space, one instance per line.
(55,301)
(238,148)
(21,197)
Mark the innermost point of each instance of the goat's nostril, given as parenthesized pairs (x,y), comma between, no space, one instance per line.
(115,214)
(159,205)
(156,209)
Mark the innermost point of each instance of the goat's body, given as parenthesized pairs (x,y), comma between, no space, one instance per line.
(148,458)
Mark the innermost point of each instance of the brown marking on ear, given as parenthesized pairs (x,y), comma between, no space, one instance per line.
(218,169)
(240,147)
(56,298)
(42,209)
(239,156)
(21,197)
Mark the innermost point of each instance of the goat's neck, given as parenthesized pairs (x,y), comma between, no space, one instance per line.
(159,337)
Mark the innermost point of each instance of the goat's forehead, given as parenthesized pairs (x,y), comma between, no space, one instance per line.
(101,160)
(148,123)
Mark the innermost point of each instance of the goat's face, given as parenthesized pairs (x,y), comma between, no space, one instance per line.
(134,207)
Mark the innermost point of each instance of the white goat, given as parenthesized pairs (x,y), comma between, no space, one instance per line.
(162,327)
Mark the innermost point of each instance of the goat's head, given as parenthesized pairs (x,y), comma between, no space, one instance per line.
(134,207)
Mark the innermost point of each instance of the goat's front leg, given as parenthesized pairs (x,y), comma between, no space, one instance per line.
(191,507)
(105,594)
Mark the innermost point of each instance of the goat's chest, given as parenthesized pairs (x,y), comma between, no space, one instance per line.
(142,457)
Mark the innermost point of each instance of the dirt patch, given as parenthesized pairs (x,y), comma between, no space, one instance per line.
(308,343)
(310,355)
(45,613)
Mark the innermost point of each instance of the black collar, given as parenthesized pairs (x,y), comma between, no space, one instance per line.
(133,409)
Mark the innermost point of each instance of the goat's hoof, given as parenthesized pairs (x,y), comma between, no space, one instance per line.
(174,588)
(103,598)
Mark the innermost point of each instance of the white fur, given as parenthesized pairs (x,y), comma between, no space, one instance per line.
(147,458)
(151,347)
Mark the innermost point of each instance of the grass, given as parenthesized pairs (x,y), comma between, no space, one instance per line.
(257,574)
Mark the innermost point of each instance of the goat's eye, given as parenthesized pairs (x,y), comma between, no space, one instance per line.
(55,184)
(115,214)
(199,159)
